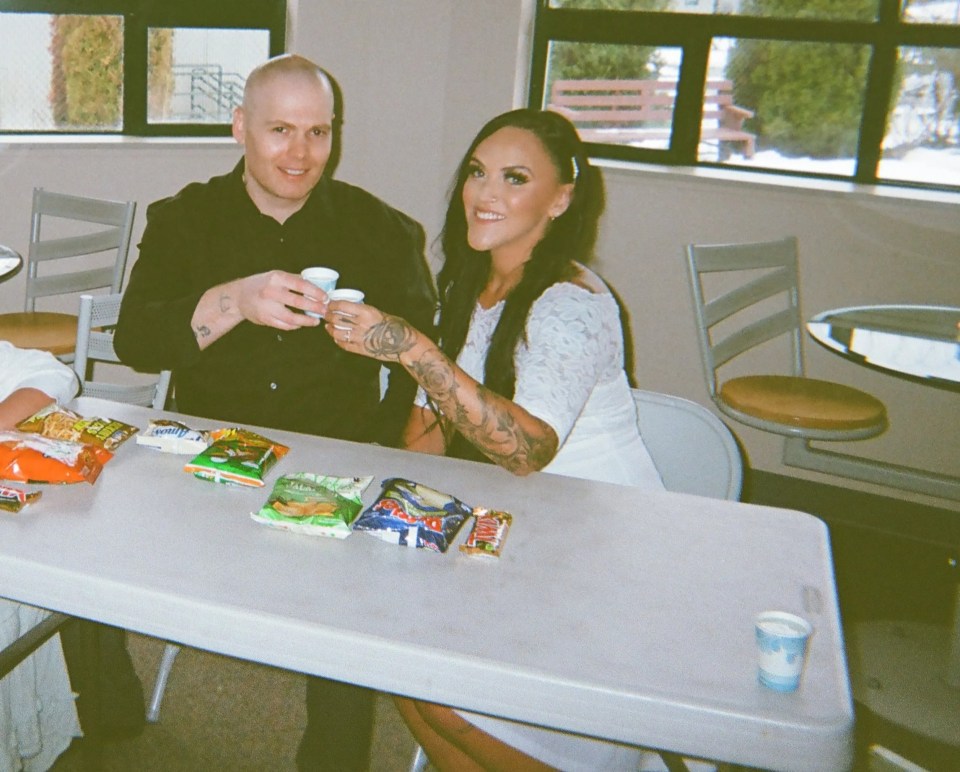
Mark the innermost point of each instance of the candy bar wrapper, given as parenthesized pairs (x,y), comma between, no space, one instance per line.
(237,456)
(173,437)
(413,515)
(33,458)
(58,423)
(314,504)
(14,499)
(488,533)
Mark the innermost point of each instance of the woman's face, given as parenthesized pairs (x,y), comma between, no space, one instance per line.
(511,192)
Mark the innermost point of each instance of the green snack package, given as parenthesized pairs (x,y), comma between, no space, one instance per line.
(314,504)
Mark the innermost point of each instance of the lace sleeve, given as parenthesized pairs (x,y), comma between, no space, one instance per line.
(573,343)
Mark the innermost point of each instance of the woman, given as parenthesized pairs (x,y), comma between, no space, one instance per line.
(38,717)
(528,372)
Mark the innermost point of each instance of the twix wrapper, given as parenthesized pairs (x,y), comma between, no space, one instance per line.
(14,499)
(488,534)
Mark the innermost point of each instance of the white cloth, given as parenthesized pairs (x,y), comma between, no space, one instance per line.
(569,374)
(38,715)
(28,368)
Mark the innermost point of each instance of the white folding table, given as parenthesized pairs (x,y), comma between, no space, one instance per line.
(613,612)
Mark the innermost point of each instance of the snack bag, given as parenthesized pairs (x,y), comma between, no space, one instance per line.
(14,499)
(414,515)
(37,459)
(173,437)
(237,456)
(58,423)
(489,531)
(314,504)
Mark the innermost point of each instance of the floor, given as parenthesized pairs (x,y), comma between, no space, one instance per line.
(224,714)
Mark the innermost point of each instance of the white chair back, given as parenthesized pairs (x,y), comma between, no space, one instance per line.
(96,322)
(692,448)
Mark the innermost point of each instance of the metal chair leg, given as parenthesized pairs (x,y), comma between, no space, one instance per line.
(170,652)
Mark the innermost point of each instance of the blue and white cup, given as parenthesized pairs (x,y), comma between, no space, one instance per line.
(782,643)
(324,278)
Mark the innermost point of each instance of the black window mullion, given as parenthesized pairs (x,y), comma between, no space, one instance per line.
(884,35)
(134,74)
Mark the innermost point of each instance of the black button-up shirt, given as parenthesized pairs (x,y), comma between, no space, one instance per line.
(211,233)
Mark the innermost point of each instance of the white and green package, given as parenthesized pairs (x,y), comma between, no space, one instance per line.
(314,504)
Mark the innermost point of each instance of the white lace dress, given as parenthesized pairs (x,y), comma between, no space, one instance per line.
(38,716)
(570,375)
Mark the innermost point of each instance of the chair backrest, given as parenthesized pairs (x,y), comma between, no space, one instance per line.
(96,322)
(753,297)
(693,450)
(64,226)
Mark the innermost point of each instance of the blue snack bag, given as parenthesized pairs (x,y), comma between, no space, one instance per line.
(413,515)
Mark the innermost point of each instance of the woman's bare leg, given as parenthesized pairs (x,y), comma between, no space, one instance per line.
(461,743)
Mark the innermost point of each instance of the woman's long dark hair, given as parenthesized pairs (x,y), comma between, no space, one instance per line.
(570,237)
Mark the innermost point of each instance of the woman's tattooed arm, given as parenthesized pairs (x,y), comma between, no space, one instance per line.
(500,428)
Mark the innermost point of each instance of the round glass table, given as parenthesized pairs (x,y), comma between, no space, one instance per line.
(913,340)
(10,263)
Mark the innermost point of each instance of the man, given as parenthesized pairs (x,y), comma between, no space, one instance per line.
(216,296)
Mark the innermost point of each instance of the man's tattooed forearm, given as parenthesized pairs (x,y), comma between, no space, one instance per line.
(389,338)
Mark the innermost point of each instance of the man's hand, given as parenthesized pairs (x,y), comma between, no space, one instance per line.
(266,299)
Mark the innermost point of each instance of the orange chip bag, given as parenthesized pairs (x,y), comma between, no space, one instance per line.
(36,459)
(59,423)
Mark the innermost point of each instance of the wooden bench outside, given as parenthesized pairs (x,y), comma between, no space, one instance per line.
(621,111)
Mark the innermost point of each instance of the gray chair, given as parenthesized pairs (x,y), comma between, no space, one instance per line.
(694,452)
(97,318)
(746,296)
(77,244)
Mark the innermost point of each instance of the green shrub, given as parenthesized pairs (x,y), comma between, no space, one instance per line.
(807,97)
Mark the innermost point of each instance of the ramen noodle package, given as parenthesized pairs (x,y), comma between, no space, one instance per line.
(313,504)
(58,423)
(414,515)
(488,533)
(38,459)
(14,499)
(237,456)
(173,437)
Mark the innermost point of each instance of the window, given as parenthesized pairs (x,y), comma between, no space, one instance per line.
(861,90)
(137,67)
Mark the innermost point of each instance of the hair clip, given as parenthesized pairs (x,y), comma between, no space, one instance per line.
(576,168)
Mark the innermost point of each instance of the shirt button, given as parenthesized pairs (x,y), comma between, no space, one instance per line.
(279,337)
(273,387)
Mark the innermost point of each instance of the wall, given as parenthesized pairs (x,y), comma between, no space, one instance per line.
(420,77)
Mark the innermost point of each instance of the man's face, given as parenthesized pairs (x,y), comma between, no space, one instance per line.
(286,127)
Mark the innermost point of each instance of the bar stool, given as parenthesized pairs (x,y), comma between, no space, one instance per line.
(71,229)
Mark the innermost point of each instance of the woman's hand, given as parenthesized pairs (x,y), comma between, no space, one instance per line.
(362,329)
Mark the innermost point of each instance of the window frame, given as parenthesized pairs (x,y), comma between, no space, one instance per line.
(693,33)
(138,17)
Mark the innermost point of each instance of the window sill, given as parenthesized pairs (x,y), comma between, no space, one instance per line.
(111,141)
(785,183)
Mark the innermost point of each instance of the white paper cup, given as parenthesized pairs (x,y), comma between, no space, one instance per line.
(324,278)
(782,646)
(350,295)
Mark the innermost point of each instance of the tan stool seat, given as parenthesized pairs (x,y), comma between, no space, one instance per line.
(56,333)
(803,402)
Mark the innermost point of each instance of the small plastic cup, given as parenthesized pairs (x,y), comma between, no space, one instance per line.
(324,278)
(782,644)
(350,295)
